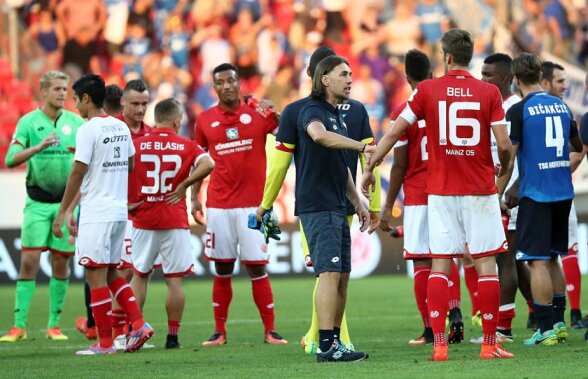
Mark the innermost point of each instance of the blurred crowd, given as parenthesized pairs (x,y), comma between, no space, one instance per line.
(174,44)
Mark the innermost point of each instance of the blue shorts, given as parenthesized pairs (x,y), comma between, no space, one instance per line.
(542,229)
(329,241)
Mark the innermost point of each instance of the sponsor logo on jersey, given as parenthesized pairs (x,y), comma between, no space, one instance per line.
(113,139)
(215,124)
(245,118)
(232,133)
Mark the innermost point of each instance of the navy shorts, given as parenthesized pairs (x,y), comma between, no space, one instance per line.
(329,241)
(542,229)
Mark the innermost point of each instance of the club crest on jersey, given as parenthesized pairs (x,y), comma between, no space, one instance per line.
(245,118)
(233,133)
(215,124)
(66,129)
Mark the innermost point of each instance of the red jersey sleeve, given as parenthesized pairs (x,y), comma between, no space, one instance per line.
(415,107)
(199,135)
(198,153)
(403,140)
(271,124)
(497,111)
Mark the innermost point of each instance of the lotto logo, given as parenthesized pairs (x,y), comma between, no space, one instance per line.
(84,261)
(520,256)
(488,316)
(335,259)
(449,283)
(132,298)
(434,314)
(570,287)
(337,354)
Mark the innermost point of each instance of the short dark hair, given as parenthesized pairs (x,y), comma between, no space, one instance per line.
(499,59)
(137,85)
(527,68)
(112,97)
(323,68)
(417,65)
(167,110)
(92,85)
(547,69)
(225,67)
(317,56)
(460,44)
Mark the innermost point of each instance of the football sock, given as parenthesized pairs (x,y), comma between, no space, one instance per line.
(454,287)
(573,278)
(326,339)
(313,335)
(22,302)
(101,307)
(559,307)
(173,327)
(530,306)
(222,294)
(90,323)
(124,296)
(471,280)
(437,301)
(57,291)
(119,322)
(506,313)
(544,315)
(421,278)
(337,333)
(264,299)
(344,332)
(489,301)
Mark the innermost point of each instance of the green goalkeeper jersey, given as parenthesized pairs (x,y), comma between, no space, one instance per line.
(48,170)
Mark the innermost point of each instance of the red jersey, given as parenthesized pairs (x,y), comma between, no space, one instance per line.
(162,161)
(236,143)
(459,111)
(415,179)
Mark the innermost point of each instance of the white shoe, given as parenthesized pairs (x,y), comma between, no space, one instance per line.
(120,342)
(148,346)
(477,340)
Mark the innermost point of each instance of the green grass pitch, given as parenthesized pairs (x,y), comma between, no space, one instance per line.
(382,317)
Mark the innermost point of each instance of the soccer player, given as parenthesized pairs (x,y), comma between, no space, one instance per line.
(323,185)
(553,81)
(44,139)
(355,116)
(576,160)
(235,134)
(99,178)
(410,169)
(459,112)
(160,222)
(87,325)
(542,130)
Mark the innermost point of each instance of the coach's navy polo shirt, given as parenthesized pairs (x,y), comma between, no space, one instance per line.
(321,173)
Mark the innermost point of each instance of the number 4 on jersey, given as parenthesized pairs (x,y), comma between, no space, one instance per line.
(554,134)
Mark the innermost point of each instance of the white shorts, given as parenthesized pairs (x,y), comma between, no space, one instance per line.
(126,256)
(457,220)
(573,230)
(416,232)
(229,238)
(99,244)
(173,245)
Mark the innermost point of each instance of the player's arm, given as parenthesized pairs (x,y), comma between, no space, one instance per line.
(18,154)
(575,141)
(278,168)
(397,174)
(72,188)
(203,168)
(376,195)
(355,199)
(321,136)
(504,147)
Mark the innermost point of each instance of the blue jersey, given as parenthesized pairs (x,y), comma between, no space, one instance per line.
(353,113)
(542,126)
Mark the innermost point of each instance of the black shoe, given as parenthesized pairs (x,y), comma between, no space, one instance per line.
(455,326)
(425,338)
(339,353)
(172,342)
(532,322)
(576,319)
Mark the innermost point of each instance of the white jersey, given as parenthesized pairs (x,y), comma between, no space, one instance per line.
(506,104)
(104,143)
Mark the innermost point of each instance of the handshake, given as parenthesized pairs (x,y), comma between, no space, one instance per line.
(268,226)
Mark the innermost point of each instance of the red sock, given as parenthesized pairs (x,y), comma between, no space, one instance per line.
(119,322)
(454,287)
(101,305)
(173,327)
(437,301)
(222,294)
(471,279)
(122,292)
(571,271)
(506,313)
(489,300)
(264,299)
(421,278)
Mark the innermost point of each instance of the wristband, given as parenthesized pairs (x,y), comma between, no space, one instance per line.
(364,146)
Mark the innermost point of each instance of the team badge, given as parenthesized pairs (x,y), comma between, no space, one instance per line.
(215,124)
(232,133)
(66,129)
(245,118)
